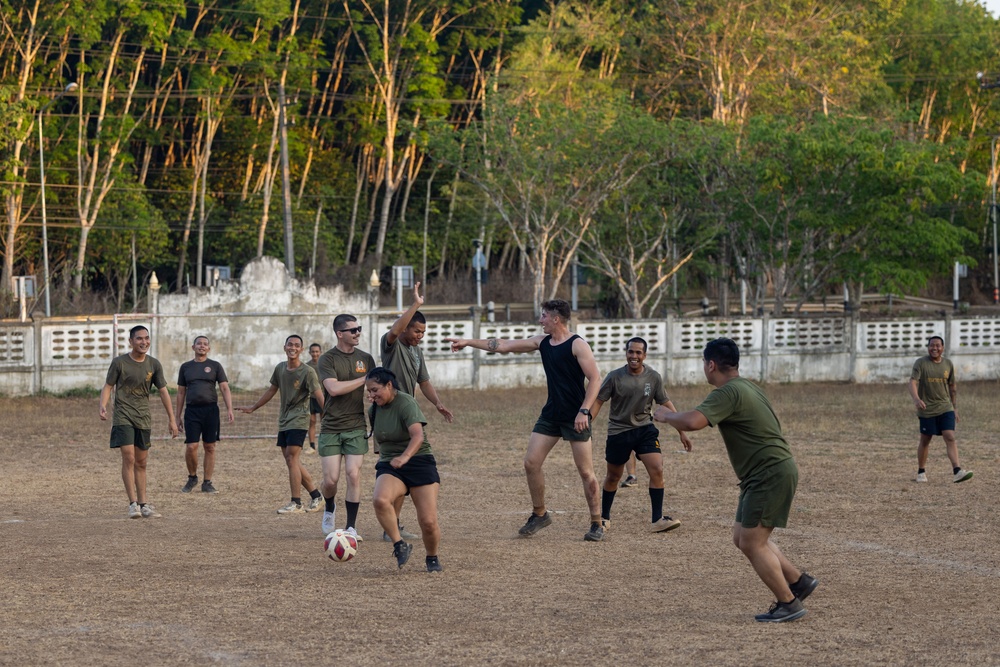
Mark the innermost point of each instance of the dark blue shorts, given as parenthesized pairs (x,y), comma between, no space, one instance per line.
(937,425)
(201,422)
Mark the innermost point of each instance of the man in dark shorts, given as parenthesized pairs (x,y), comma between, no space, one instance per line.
(132,376)
(196,382)
(343,440)
(315,409)
(295,382)
(934,392)
(633,390)
(401,353)
(567,360)
(763,461)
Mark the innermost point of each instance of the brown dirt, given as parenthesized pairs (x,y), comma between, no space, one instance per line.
(909,573)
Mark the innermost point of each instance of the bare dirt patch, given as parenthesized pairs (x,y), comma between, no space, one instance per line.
(909,573)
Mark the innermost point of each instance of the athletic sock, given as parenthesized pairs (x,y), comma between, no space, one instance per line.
(656,503)
(314,494)
(331,504)
(297,501)
(920,470)
(194,477)
(954,471)
(352,513)
(607,499)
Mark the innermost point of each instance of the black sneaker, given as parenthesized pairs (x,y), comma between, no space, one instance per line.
(629,482)
(206,487)
(535,523)
(433,564)
(401,550)
(191,483)
(782,611)
(804,586)
(595,534)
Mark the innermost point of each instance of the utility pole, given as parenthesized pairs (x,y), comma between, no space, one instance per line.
(986,84)
(286,188)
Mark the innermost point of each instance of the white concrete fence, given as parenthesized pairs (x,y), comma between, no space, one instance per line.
(59,355)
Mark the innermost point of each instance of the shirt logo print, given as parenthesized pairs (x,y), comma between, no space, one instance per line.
(359,367)
(646,390)
(208,369)
(149,376)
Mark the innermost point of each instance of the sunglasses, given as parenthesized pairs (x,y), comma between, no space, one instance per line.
(355,330)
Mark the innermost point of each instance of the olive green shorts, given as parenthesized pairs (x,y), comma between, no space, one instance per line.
(766,498)
(124,435)
(337,444)
(564,430)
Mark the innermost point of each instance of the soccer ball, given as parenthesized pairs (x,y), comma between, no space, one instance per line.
(340,546)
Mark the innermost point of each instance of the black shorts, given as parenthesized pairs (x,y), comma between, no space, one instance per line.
(642,440)
(564,430)
(125,435)
(314,407)
(938,424)
(418,471)
(293,437)
(201,422)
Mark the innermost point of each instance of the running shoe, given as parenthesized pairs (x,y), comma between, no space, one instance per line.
(535,523)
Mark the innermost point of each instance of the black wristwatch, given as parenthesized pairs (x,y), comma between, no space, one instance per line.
(584,411)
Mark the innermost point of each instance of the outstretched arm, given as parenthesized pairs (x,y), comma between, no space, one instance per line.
(267,396)
(499,345)
(399,326)
(685,440)
(692,420)
(428,390)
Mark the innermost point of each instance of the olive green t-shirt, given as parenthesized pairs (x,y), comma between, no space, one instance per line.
(748,426)
(632,398)
(406,362)
(345,413)
(133,380)
(295,387)
(934,382)
(392,426)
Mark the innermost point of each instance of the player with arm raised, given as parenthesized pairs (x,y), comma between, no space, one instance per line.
(568,361)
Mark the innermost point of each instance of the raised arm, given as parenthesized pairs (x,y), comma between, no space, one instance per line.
(399,326)
(498,345)
(430,393)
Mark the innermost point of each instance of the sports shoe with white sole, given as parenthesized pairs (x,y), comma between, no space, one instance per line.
(134,512)
(354,533)
(962,475)
(329,522)
(629,482)
(291,508)
(149,512)
(664,524)
(782,611)
(921,477)
(315,505)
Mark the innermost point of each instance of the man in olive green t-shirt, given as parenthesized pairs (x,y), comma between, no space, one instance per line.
(935,394)
(295,382)
(762,460)
(132,376)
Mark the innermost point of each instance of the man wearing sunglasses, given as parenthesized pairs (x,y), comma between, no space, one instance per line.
(342,439)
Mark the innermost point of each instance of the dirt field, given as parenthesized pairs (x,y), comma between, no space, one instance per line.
(909,573)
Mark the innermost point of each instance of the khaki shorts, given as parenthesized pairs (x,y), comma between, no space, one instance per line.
(337,444)
(766,498)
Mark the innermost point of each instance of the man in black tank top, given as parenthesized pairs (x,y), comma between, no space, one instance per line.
(567,360)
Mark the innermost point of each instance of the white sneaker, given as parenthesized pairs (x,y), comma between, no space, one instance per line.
(149,512)
(329,522)
(314,504)
(134,512)
(354,534)
(962,475)
(291,508)
(921,477)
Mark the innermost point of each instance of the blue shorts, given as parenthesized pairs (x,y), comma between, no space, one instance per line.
(937,425)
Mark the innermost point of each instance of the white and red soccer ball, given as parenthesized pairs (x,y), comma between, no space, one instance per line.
(340,546)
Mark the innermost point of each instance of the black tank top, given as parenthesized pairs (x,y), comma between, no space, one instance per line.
(565,380)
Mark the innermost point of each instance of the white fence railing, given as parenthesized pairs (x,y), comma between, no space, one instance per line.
(65,354)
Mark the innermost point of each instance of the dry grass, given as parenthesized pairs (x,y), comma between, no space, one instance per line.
(909,573)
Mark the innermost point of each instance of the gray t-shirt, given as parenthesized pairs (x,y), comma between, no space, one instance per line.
(295,386)
(133,381)
(406,361)
(632,398)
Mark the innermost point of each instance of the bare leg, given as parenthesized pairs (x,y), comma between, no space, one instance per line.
(654,468)
(353,465)
(539,447)
(630,465)
(209,459)
(128,471)
(584,458)
(331,475)
(613,476)
(141,457)
(425,500)
(951,446)
(765,559)
(922,449)
(191,458)
(307,480)
(387,489)
(292,460)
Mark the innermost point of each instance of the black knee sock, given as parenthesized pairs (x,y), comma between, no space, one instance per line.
(607,499)
(331,504)
(352,513)
(656,502)
(315,494)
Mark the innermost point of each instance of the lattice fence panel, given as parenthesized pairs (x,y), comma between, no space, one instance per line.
(691,336)
(807,334)
(975,333)
(900,336)
(13,347)
(609,338)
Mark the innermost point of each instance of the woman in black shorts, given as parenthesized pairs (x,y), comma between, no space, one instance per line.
(405,465)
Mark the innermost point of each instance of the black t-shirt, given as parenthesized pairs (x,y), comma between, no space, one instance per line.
(565,380)
(200,378)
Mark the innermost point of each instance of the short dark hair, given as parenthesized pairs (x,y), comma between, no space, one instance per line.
(312,345)
(724,352)
(293,336)
(418,318)
(559,307)
(933,337)
(131,332)
(202,336)
(636,339)
(340,320)
(383,376)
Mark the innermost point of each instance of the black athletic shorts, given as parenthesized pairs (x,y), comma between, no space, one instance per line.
(201,422)
(293,437)
(419,471)
(642,440)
